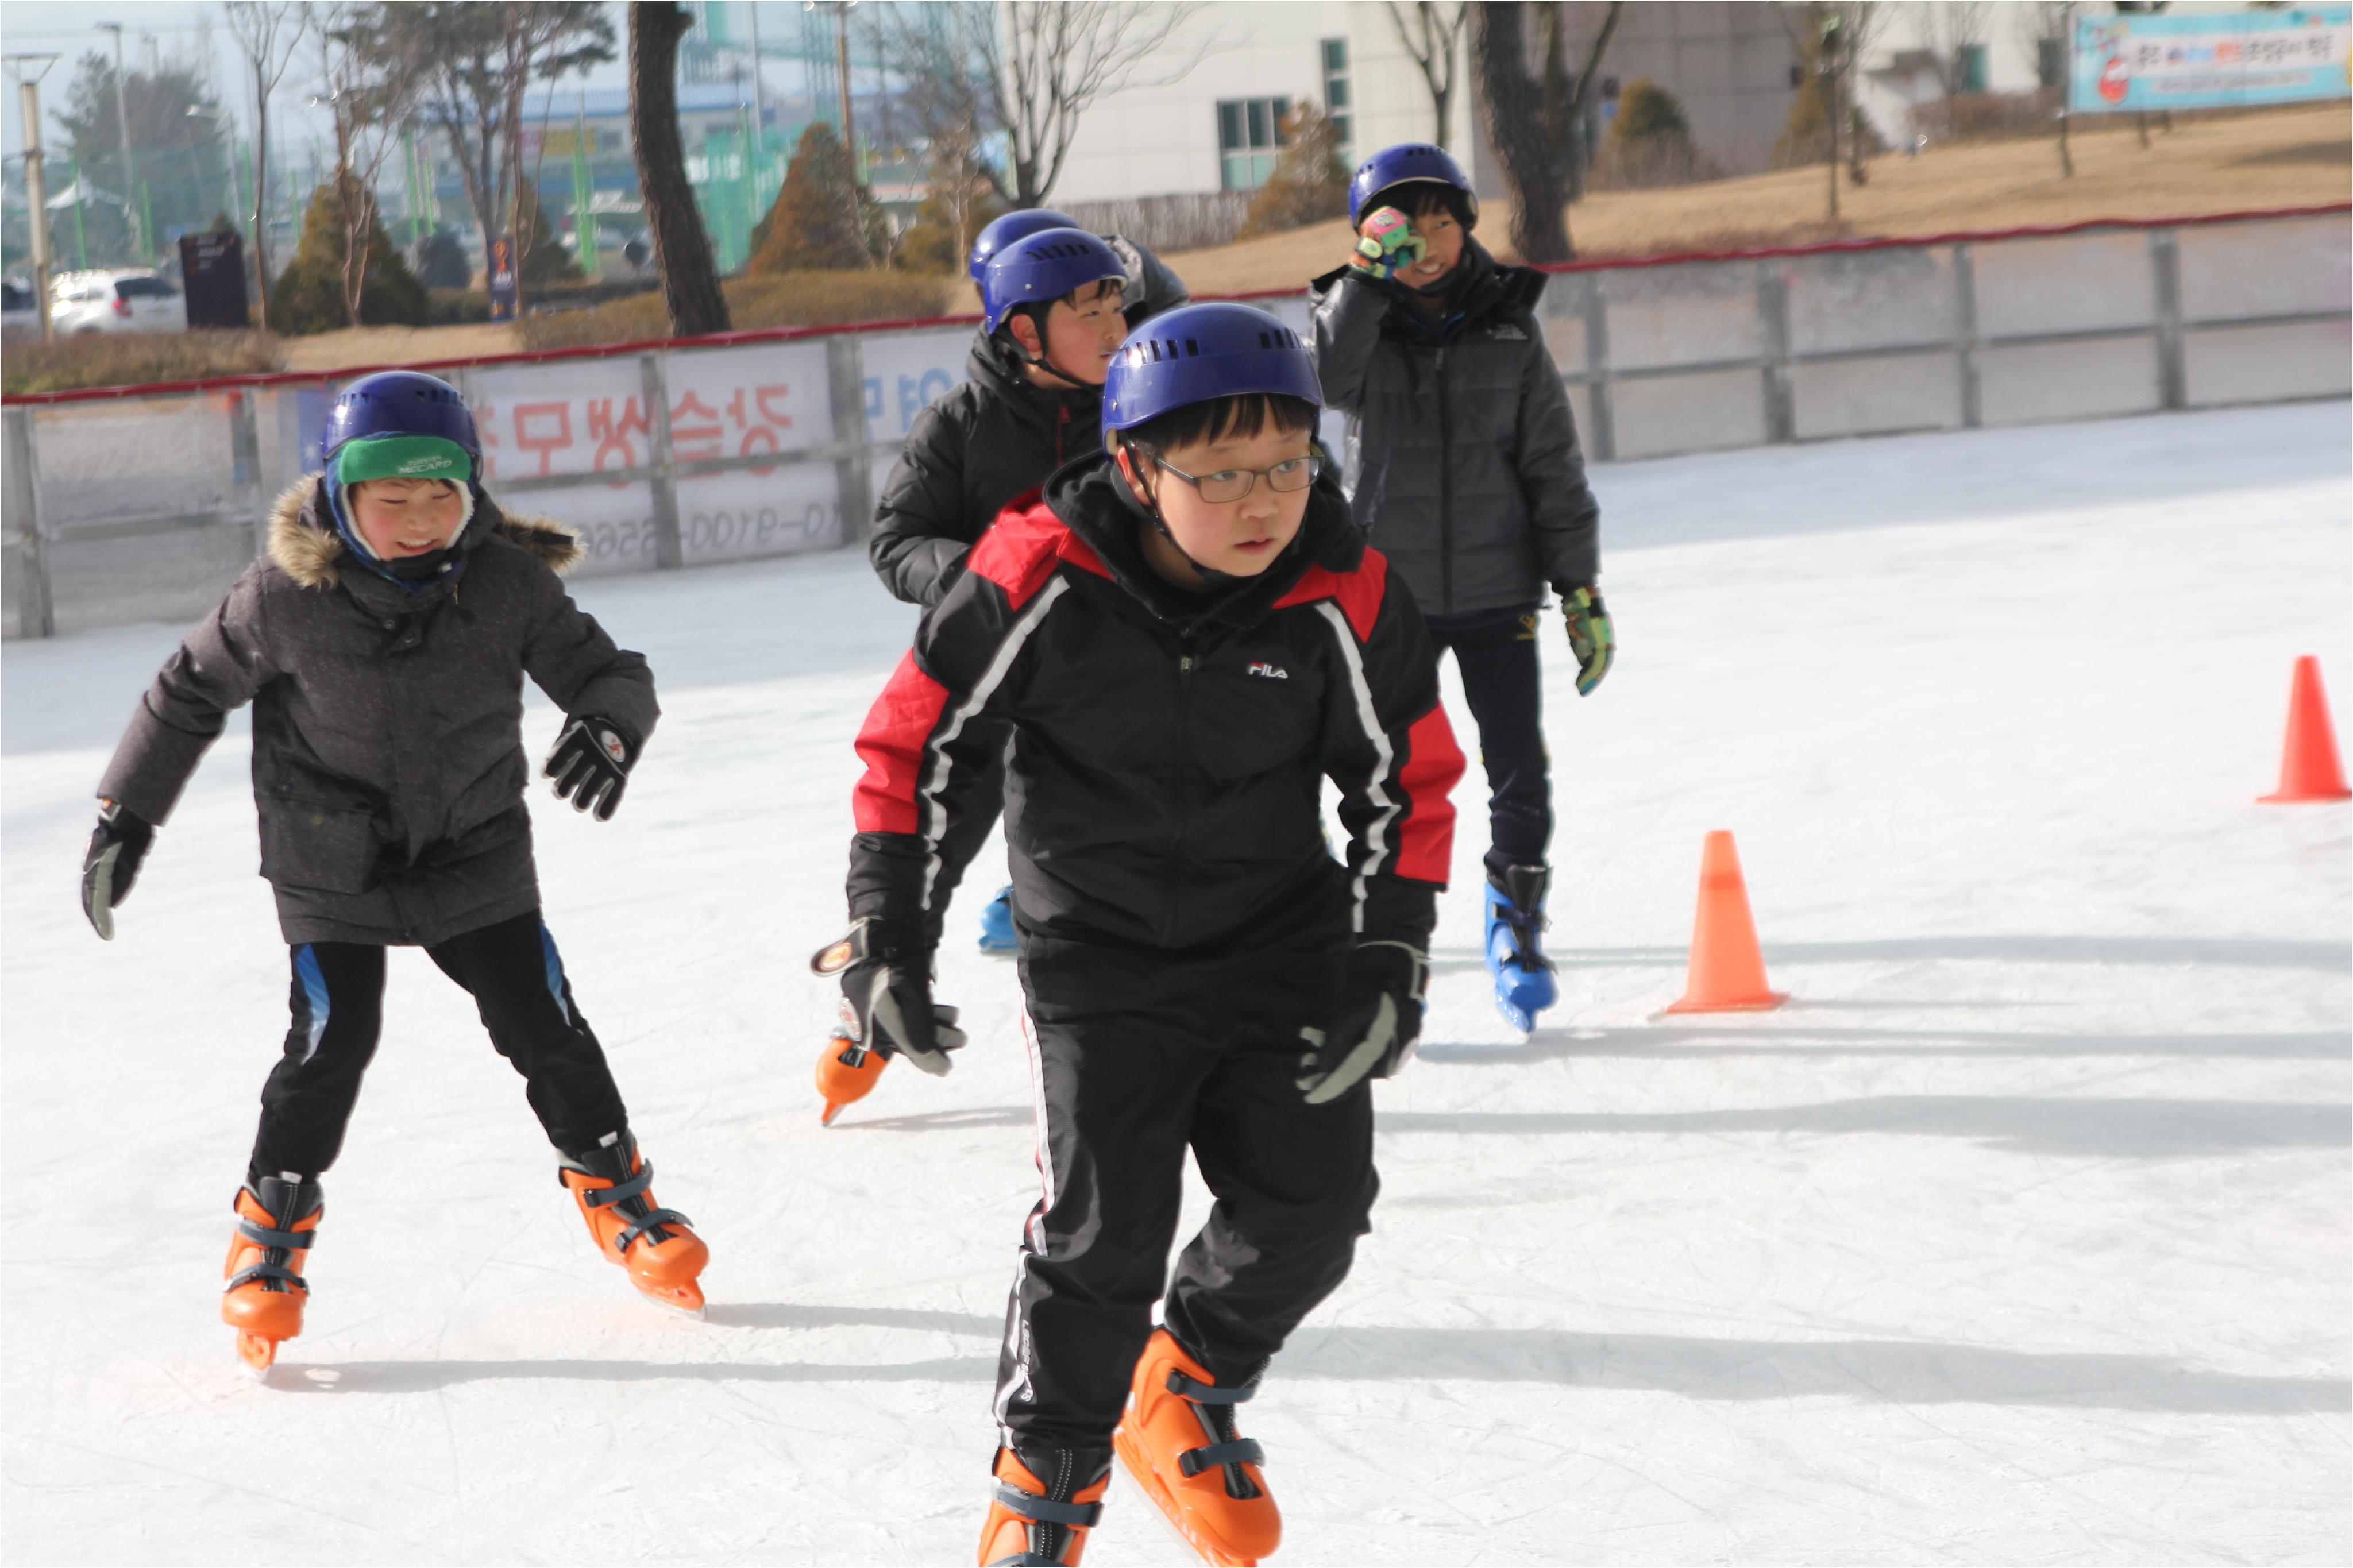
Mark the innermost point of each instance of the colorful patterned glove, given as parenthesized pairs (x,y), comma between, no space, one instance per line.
(1387,245)
(1591,637)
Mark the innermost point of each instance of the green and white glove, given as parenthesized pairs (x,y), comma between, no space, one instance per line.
(1591,637)
(1387,243)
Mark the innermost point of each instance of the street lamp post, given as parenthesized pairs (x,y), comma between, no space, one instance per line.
(28,69)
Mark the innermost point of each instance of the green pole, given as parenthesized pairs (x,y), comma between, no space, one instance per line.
(81,249)
(583,194)
(147,223)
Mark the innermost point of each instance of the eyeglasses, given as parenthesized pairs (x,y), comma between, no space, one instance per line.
(1232,484)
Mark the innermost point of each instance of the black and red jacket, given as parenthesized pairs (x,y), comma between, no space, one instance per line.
(1168,749)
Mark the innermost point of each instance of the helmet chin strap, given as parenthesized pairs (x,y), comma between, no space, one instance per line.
(1041,360)
(1209,574)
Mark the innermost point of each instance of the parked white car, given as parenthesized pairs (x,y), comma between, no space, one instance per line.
(18,319)
(135,300)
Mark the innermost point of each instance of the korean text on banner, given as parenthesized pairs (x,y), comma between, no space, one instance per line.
(2211,60)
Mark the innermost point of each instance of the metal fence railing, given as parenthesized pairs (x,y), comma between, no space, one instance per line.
(143,503)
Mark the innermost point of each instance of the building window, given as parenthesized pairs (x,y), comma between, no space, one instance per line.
(1335,91)
(1249,130)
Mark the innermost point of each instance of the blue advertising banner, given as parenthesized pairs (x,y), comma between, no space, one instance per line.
(2214,60)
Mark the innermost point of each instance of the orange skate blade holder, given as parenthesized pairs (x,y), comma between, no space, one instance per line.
(1727,968)
(846,1073)
(1138,1465)
(2309,767)
(686,1299)
(259,1352)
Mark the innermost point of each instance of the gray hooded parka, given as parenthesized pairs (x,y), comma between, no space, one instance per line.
(1461,461)
(387,727)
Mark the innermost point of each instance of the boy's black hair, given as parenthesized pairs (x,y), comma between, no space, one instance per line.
(1419,198)
(1241,414)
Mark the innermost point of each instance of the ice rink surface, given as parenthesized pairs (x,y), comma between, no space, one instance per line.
(2020,1236)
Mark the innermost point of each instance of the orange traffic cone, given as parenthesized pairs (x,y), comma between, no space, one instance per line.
(2308,768)
(1727,971)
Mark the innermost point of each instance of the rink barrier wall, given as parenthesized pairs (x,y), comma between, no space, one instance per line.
(684,452)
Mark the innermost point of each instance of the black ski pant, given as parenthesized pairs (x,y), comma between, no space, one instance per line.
(1496,652)
(518,987)
(1135,1058)
(984,803)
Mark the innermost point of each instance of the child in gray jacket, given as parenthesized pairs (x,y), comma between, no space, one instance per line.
(382,643)
(1463,468)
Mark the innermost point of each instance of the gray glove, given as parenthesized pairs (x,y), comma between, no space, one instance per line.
(886,979)
(1376,1025)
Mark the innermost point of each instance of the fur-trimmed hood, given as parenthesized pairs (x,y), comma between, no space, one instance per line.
(305,546)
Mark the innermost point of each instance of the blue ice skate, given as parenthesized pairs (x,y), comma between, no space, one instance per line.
(1515,961)
(996,924)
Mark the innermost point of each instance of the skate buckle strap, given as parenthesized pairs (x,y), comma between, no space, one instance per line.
(298,1240)
(266,1271)
(1046,1511)
(638,1228)
(1243,1451)
(597,1197)
(1200,1393)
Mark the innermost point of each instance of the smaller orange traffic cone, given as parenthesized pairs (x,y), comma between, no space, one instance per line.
(1727,971)
(2308,768)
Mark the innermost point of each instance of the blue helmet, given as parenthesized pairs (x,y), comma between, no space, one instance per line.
(1196,352)
(1406,164)
(400,403)
(1041,268)
(1009,229)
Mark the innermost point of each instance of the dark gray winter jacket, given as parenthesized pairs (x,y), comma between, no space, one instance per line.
(981,442)
(387,726)
(1462,460)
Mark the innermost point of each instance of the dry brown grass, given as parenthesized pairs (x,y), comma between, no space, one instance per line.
(354,346)
(808,299)
(69,364)
(2278,158)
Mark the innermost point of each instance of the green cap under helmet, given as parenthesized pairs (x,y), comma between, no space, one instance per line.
(403,457)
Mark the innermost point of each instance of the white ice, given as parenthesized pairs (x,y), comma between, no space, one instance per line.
(2020,1236)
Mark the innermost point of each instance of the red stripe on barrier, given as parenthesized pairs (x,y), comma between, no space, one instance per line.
(915,323)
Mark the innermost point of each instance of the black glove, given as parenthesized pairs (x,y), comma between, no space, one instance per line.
(1374,1030)
(111,863)
(590,765)
(886,978)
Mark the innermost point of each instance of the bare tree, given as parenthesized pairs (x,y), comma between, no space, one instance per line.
(689,276)
(2048,28)
(1030,73)
(1568,102)
(477,63)
(267,32)
(369,92)
(1529,120)
(1950,28)
(1434,38)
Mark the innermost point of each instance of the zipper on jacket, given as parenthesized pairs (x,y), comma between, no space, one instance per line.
(1185,667)
(1062,421)
(1445,488)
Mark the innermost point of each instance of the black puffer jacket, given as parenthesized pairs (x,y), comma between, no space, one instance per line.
(975,449)
(1164,784)
(387,726)
(1462,462)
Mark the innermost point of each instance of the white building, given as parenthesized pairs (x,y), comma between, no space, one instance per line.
(1212,127)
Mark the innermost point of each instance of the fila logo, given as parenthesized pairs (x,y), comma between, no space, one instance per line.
(1270,671)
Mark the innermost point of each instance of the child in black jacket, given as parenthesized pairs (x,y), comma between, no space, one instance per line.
(1184,638)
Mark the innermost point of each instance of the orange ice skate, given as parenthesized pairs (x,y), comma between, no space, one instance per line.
(277,1219)
(1177,1441)
(657,1246)
(1035,1521)
(847,1071)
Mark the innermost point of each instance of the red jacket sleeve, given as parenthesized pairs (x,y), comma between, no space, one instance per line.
(1389,747)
